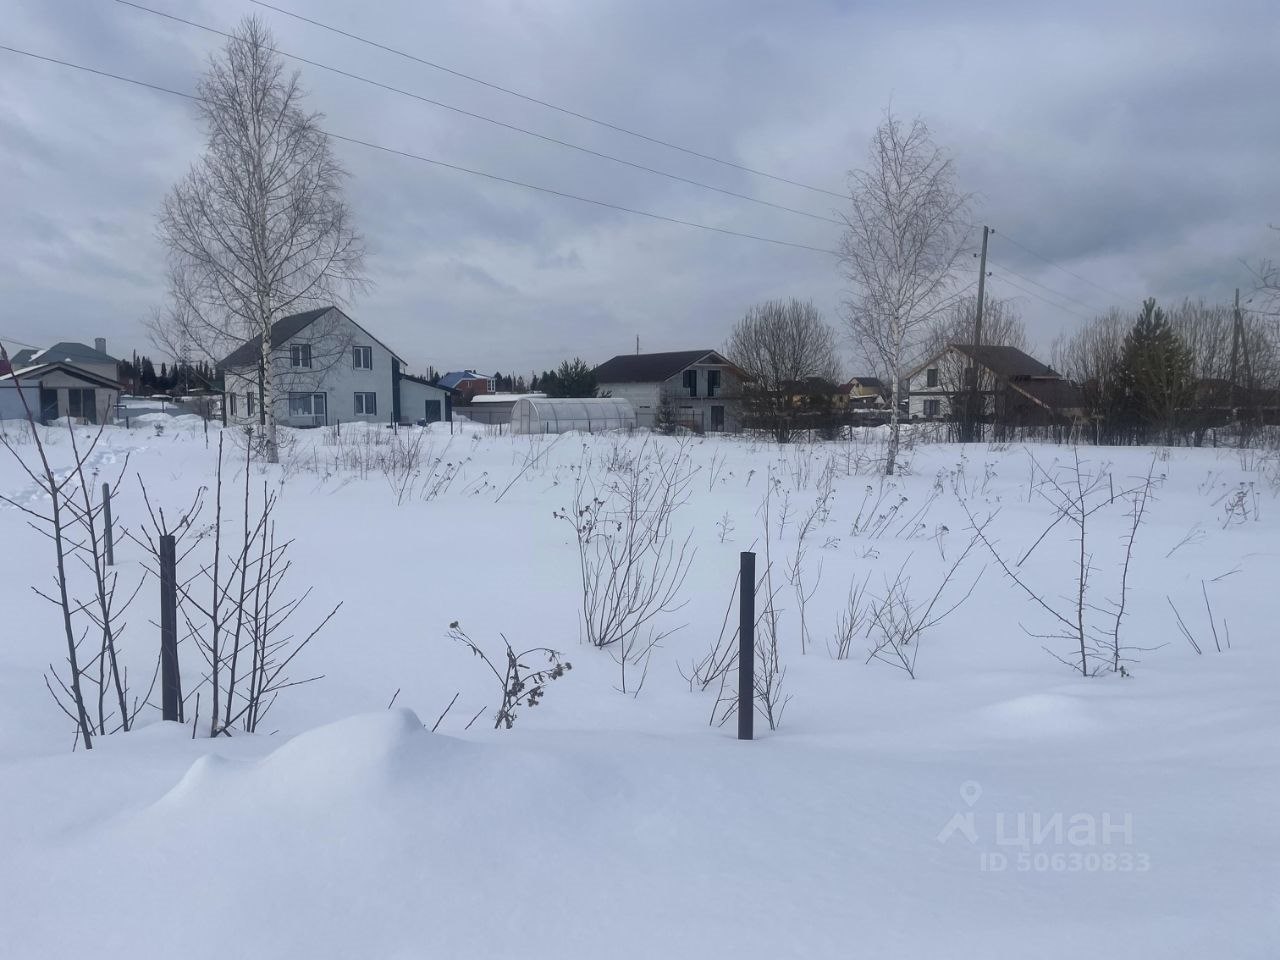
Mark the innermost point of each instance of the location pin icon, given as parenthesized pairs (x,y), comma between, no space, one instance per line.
(970,791)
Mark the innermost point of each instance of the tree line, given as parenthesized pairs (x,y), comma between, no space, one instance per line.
(141,378)
(1166,375)
(1171,376)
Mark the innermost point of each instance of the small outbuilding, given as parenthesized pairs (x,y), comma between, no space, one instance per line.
(417,399)
(561,415)
(56,390)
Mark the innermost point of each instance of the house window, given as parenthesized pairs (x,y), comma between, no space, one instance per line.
(300,355)
(250,401)
(931,377)
(691,382)
(717,418)
(933,408)
(308,407)
(362,358)
(232,398)
(713,383)
(366,404)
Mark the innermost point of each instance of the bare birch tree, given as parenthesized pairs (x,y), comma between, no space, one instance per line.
(902,238)
(259,227)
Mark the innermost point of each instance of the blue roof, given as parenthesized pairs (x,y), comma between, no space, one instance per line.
(451,380)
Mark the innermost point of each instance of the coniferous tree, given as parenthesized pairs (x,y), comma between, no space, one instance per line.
(1155,374)
(573,378)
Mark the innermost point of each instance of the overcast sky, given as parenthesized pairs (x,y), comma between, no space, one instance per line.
(1135,145)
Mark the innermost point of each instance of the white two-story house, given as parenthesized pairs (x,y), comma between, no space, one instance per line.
(327,369)
(699,387)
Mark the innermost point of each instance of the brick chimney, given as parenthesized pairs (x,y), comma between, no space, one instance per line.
(100,344)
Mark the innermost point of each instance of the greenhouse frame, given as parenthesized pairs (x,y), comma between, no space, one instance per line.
(561,415)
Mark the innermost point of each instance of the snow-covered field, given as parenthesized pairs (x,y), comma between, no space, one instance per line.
(997,804)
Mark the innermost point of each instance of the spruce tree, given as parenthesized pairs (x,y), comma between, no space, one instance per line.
(1155,374)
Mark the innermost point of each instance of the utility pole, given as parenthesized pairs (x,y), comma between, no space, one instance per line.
(637,344)
(1235,349)
(973,422)
(1240,362)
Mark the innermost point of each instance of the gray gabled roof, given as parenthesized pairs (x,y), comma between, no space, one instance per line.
(282,331)
(67,351)
(285,329)
(653,367)
(70,369)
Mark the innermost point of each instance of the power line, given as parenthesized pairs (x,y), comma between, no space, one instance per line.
(1032,293)
(491,120)
(1058,266)
(572,196)
(545,103)
(15,340)
(449,166)
(1057,293)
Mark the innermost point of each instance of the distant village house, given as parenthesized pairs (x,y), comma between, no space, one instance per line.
(327,369)
(698,386)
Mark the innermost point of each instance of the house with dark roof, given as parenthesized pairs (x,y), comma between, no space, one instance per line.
(326,369)
(1016,388)
(68,379)
(698,387)
(466,384)
(94,359)
(56,389)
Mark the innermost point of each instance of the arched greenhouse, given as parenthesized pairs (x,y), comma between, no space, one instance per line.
(591,415)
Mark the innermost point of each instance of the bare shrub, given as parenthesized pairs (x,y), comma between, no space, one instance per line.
(92,688)
(521,685)
(631,564)
(724,527)
(852,620)
(770,673)
(803,592)
(235,606)
(1220,641)
(1076,494)
(899,621)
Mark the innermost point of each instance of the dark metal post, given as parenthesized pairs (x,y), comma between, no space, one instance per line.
(169,683)
(108,535)
(747,646)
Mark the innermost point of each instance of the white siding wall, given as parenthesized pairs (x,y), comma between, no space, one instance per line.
(11,407)
(414,397)
(238,386)
(919,391)
(644,398)
(332,373)
(647,397)
(105,398)
(699,407)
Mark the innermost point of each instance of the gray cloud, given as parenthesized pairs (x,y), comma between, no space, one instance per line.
(1133,143)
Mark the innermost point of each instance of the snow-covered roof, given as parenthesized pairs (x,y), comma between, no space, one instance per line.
(505,397)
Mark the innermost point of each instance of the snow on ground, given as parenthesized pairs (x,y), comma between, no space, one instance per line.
(995,805)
